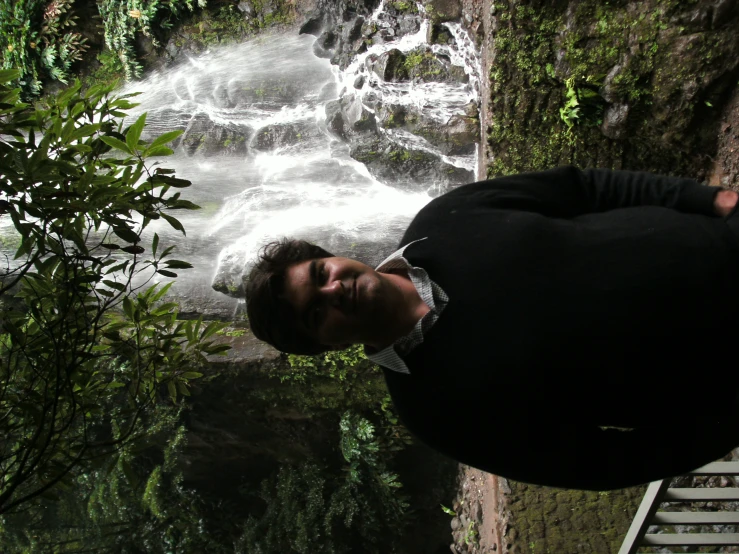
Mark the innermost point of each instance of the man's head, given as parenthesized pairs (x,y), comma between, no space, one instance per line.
(303,300)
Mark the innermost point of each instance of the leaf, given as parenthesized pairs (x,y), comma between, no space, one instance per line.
(161,292)
(119,267)
(217,349)
(177,264)
(128,307)
(166,273)
(158,151)
(171,181)
(154,244)
(127,234)
(174,223)
(172,390)
(110,246)
(134,249)
(183,205)
(182,388)
(114,285)
(115,143)
(212,327)
(134,132)
(164,138)
(191,375)
(7,75)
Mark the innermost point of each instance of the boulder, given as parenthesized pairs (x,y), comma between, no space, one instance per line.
(443,10)
(615,121)
(389,66)
(313,25)
(423,65)
(265,93)
(202,136)
(280,135)
(438,34)
(325,45)
(456,137)
(412,169)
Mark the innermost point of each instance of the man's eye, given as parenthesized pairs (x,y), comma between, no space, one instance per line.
(322,275)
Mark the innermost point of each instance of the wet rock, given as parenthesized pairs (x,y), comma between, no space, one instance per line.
(334,118)
(220,97)
(423,65)
(455,523)
(246,8)
(164,120)
(408,25)
(328,91)
(325,44)
(267,93)
(204,137)
(456,137)
(723,11)
(359,82)
(389,66)
(412,169)
(443,10)
(348,117)
(615,121)
(438,34)
(313,25)
(353,32)
(280,135)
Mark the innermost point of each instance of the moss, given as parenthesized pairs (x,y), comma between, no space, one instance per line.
(405,7)
(582,521)
(400,156)
(537,50)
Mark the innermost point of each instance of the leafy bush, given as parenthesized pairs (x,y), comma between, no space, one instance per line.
(85,351)
(38,40)
(310,509)
(123,18)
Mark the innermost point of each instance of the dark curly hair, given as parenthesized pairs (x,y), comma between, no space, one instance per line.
(271,318)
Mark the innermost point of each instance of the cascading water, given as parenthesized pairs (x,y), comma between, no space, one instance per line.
(264,165)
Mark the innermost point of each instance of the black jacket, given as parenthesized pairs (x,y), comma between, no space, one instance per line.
(577,300)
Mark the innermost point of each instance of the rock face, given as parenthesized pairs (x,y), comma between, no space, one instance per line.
(202,136)
(398,142)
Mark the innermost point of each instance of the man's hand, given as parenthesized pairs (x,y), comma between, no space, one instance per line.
(724,202)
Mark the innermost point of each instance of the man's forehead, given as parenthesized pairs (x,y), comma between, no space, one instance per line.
(297,279)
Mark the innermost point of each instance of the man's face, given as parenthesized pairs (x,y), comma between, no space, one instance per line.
(339,302)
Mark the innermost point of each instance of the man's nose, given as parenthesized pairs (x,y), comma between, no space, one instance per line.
(334,292)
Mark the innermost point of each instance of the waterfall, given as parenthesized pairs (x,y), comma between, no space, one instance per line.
(263,162)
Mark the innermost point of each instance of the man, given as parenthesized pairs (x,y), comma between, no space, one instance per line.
(566,328)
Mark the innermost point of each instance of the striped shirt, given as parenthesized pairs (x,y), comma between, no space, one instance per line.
(431,294)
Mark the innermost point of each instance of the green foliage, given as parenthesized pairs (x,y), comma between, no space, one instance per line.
(310,510)
(38,39)
(133,501)
(110,71)
(87,348)
(124,18)
(330,382)
(584,106)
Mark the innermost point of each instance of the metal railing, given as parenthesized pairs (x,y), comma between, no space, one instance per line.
(659,491)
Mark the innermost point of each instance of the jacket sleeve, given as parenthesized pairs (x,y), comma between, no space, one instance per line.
(568,192)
